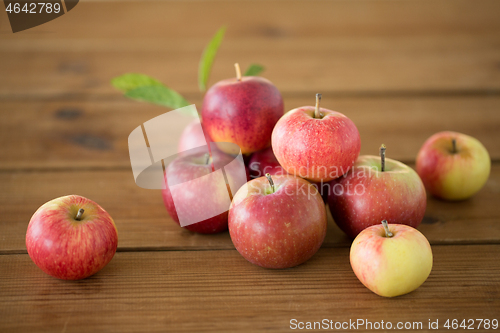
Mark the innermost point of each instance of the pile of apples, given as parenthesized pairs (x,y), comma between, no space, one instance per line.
(296,162)
(309,155)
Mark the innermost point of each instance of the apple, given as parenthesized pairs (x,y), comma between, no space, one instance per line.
(323,189)
(316,143)
(242,110)
(391,260)
(453,166)
(277,221)
(200,191)
(371,192)
(192,137)
(263,162)
(71,238)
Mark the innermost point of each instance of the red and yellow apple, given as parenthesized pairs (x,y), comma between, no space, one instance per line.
(242,110)
(393,262)
(277,222)
(192,137)
(71,238)
(453,166)
(316,143)
(263,162)
(195,188)
(367,195)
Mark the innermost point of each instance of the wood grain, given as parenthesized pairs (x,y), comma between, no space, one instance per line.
(401,70)
(93,134)
(337,46)
(219,291)
(144,224)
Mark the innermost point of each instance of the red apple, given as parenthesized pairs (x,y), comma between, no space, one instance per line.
(369,194)
(71,238)
(391,260)
(200,190)
(263,162)
(279,223)
(316,143)
(192,137)
(242,110)
(453,166)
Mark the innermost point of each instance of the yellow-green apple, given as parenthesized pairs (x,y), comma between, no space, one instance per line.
(370,193)
(71,238)
(316,143)
(242,110)
(278,221)
(195,192)
(391,260)
(192,137)
(263,162)
(453,166)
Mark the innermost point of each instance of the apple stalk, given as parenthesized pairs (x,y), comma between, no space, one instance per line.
(382,158)
(317,114)
(454,146)
(270,179)
(78,216)
(238,71)
(388,233)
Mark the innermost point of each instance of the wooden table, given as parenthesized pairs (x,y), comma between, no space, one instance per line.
(401,70)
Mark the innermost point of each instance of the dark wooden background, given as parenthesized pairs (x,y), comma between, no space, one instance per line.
(401,70)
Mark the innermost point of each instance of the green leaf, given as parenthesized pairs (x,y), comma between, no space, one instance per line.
(159,95)
(254,70)
(207,58)
(131,81)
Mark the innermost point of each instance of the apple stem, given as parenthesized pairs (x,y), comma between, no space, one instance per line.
(238,71)
(317,114)
(453,146)
(386,228)
(207,158)
(78,216)
(270,179)
(382,157)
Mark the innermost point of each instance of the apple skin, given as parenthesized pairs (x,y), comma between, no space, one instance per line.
(281,229)
(242,112)
(263,162)
(192,137)
(186,168)
(66,248)
(365,196)
(453,176)
(391,266)
(316,149)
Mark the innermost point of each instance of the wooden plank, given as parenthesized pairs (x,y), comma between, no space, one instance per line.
(143,222)
(89,134)
(344,47)
(219,291)
(248,18)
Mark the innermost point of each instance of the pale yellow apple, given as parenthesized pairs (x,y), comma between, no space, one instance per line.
(391,266)
(453,166)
